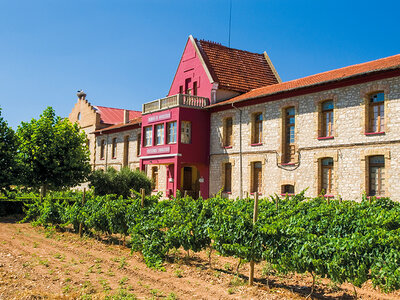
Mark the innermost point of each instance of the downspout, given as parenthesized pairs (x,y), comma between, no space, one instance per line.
(106,151)
(240,152)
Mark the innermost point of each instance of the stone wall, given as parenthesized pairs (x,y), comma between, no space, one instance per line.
(348,147)
(118,161)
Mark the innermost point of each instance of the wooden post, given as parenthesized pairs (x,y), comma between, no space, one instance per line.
(83,202)
(142,192)
(185,193)
(247,195)
(199,194)
(255,215)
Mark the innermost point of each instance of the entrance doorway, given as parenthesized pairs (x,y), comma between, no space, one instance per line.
(190,181)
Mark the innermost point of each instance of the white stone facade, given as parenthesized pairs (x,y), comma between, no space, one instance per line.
(349,146)
(117,162)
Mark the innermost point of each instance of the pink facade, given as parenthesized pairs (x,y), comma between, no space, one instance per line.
(185,161)
(191,72)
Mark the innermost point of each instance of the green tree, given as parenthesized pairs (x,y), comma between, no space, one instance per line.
(8,153)
(53,153)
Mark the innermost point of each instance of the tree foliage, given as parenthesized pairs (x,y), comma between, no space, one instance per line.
(120,182)
(8,153)
(52,153)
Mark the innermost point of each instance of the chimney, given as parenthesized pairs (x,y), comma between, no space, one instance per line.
(126,116)
(81,95)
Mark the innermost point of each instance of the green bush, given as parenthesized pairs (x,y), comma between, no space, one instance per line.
(119,183)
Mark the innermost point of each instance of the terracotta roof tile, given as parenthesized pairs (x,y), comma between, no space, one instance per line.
(391,62)
(236,70)
(134,121)
(109,115)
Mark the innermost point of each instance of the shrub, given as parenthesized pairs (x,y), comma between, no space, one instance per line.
(119,183)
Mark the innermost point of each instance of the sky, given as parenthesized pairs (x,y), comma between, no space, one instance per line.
(124,53)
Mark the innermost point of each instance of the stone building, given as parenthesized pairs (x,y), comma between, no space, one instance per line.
(118,145)
(230,124)
(335,133)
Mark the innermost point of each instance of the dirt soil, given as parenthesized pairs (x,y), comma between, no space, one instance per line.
(39,263)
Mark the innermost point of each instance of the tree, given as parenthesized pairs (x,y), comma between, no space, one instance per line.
(8,153)
(120,182)
(53,153)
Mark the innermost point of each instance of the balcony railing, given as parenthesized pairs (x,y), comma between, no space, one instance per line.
(175,100)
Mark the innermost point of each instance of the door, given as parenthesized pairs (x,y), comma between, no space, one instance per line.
(187,179)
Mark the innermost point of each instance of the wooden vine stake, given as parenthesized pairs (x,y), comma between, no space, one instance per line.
(142,193)
(83,202)
(255,215)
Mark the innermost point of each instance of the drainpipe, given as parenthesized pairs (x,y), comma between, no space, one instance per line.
(240,152)
(106,151)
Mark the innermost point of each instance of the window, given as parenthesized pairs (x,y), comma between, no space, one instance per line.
(228,132)
(171,132)
(186,132)
(287,189)
(327,119)
(181,89)
(126,151)
(195,88)
(228,178)
(154,177)
(187,86)
(326,176)
(138,144)
(257,128)
(376,175)
(376,112)
(102,149)
(114,148)
(79,116)
(160,134)
(257,177)
(148,136)
(289,135)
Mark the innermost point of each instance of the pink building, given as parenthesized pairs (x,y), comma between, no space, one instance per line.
(176,129)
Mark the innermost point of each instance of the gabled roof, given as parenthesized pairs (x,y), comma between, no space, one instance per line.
(388,63)
(109,115)
(237,70)
(134,123)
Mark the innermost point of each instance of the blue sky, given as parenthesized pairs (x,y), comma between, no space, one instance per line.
(123,53)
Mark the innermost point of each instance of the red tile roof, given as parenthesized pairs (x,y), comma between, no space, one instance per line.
(236,70)
(109,115)
(131,123)
(388,63)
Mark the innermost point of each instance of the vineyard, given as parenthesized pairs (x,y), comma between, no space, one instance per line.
(344,241)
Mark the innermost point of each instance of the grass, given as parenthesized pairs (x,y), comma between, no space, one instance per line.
(178,273)
(44,262)
(172,296)
(104,283)
(237,281)
(123,280)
